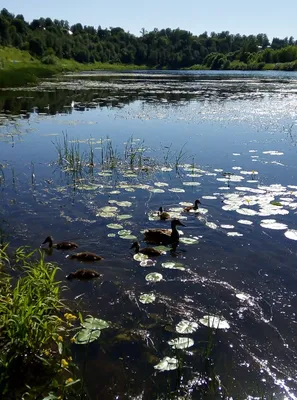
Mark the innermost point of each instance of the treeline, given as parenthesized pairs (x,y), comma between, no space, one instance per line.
(49,39)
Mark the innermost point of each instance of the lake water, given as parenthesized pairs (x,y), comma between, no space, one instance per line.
(166,139)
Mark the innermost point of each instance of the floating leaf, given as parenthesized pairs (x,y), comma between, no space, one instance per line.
(215,322)
(124,203)
(123,217)
(246,211)
(181,343)
(154,277)
(227,226)
(273,225)
(291,234)
(211,225)
(245,222)
(114,226)
(191,184)
(140,257)
(112,235)
(95,323)
(154,190)
(209,197)
(85,336)
(147,263)
(185,326)
(124,232)
(147,298)
(128,237)
(160,184)
(173,265)
(177,190)
(187,240)
(167,364)
(234,234)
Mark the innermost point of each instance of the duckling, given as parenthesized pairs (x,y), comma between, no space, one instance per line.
(83,274)
(61,245)
(149,251)
(194,207)
(163,235)
(163,214)
(85,256)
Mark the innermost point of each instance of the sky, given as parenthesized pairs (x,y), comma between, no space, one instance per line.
(275,18)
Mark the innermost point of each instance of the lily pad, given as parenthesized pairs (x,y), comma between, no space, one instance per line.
(234,234)
(92,323)
(291,234)
(211,225)
(124,217)
(154,277)
(215,322)
(227,226)
(160,184)
(181,343)
(147,298)
(187,240)
(167,364)
(173,265)
(185,326)
(191,183)
(147,263)
(85,336)
(176,190)
(245,222)
(114,226)
(140,257)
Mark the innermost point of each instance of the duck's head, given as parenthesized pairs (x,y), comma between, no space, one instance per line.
(135,246)
(176,222)
(161,209)
(197,202)
(70,276)
(48,240)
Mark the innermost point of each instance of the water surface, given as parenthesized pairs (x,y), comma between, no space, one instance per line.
(233,136)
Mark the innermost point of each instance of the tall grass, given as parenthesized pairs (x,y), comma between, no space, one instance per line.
(32,330)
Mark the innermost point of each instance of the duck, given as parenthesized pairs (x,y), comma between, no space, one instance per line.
(83,274)
(85,256)
(149,251)
(163,214)
(163,235)
(60,245)
(194,207)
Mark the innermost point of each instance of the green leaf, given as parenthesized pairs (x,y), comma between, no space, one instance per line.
(154,277)
(72,383)
(173,265)
(147,298)
(85,336)
(167,364)
(181,343)
(51,396)
(92,323)
(185,326)
(60,348)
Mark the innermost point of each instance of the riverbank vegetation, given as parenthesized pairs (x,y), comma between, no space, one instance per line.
(53,46)
(35,329)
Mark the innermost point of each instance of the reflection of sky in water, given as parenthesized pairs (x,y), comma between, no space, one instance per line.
(250,280)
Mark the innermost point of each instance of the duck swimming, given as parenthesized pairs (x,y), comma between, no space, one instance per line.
(194,207)
(85,256)
(163,214)
(163,235)
(149,251)
(83,274)
(60,245)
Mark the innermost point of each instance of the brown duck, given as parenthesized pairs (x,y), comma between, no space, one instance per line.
(85,256)
(60,245)
(83,274)
(149,251)
(194,207)
(163,235)
(163,214)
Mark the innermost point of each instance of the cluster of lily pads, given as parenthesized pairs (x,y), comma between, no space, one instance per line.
(185,342)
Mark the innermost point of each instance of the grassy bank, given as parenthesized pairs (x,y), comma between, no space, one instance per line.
(34,357)
(18,68)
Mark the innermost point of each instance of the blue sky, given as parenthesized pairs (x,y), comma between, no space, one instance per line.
(275,18)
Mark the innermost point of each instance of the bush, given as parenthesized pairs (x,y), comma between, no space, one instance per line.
(49,60)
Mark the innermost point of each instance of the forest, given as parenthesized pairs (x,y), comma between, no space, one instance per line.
(50,40)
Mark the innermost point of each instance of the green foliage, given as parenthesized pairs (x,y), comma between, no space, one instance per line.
(32,331)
